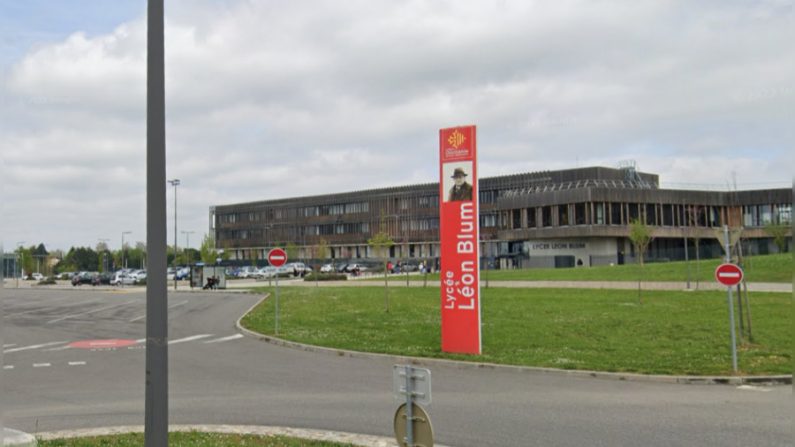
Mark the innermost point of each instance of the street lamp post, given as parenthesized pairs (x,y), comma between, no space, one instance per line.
(17,271)
(123,253)
(175,183)
(187,244)
(104,253)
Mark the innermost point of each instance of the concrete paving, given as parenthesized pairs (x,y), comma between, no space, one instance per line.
(217,378)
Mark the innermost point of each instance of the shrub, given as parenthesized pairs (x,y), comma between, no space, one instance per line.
(326,277)
(47,282)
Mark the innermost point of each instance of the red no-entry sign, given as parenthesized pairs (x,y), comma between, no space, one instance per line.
(277,257)
(729,274)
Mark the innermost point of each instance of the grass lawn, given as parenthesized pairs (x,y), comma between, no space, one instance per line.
(192,439)
(768,268)
(607,330)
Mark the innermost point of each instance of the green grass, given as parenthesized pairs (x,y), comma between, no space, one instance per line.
(768,268)
(679,333)
(191,439)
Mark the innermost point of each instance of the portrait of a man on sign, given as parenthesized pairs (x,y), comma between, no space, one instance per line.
(457,186)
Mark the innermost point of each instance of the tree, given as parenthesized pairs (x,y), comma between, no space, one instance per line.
(319,251)
(780,234)
(292,251)
(207,251)
(640,235)
(381,243)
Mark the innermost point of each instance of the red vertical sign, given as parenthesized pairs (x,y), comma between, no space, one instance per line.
(459,235)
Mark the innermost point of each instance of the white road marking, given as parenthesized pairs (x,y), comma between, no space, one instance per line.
(41,365)
(140,340)
(221,340)
(44,308)
(194,337)
(76,363)
(10,345)
(8,366)
(65,317)
(141,317)
(62,348)
(754,388)
(27,348)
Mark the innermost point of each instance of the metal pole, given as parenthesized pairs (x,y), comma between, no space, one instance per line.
(277,302)
(156,395)
(731,304)
(175,182)
(409,408)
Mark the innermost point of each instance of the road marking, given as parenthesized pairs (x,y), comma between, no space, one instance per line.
(754,388)
(77,363)
(141,317)
(62,348)
(8,366)
(50,307)
(194,337)
(41,365)
(27,348)
(10,345)
(221,340)
(65,317)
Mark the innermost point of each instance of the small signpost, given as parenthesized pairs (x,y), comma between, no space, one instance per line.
(277,258)
(729,275)
(412,424)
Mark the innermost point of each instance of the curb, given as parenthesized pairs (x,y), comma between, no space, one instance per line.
(16,438)
(424,361)
(315,435)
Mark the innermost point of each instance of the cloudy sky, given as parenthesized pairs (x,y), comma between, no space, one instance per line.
(269,99)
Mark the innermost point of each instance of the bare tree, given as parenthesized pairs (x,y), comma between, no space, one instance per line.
(640,235)
(381,242)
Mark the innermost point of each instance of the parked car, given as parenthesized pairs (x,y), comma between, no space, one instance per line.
(37,276)
(182,273)
(82,278)
(299,268)
(266,272)
(101,279)
(327,268)
(122,279)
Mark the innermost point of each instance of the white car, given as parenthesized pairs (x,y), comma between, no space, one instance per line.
(122,279)
(37,276)
(327,268)
(265,272)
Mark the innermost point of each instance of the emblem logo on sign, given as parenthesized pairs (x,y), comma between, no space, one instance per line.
(456,139)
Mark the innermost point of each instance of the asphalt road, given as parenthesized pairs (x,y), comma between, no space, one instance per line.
(218,377)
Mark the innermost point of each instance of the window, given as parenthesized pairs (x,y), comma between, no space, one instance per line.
(599,209)
(784,214)
(633,211)
(563,215)
(615,214)
(579,214)
(517,218)
(531,218)
(488,196)
(651,214)
(668,215)
(488,220)
(546,216)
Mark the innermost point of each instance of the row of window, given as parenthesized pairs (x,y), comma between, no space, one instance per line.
(651,214)
(761,215)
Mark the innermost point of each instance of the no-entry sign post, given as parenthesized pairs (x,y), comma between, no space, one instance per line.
(729,275)
(277,257)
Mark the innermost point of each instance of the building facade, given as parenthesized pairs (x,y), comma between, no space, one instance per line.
(566,218)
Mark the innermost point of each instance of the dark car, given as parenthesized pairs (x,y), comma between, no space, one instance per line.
(101,279)
(82,278)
